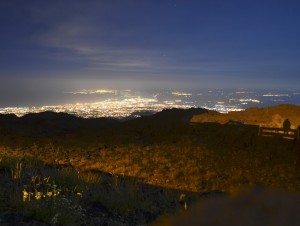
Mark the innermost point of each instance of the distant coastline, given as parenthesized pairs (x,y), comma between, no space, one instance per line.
(121,104)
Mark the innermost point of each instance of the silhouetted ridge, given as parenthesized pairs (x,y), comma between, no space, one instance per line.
(51,122)
(183,115)
(8,117)
(49,115)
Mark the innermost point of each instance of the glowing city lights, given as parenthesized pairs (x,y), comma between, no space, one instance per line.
(127,103)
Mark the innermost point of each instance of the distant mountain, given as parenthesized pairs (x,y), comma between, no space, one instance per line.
(183,115)
(50,122)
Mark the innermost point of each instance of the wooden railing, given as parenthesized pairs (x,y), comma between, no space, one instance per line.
(279,132)
(263,131)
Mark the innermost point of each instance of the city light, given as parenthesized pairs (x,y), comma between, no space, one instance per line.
(125,103)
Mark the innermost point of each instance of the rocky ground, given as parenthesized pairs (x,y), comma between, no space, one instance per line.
(146,165)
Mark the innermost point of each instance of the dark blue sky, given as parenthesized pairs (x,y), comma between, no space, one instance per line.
(49,47)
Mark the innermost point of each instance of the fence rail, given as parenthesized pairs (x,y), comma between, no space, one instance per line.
(280,132)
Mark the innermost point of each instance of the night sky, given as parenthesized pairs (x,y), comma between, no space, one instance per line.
(51,47)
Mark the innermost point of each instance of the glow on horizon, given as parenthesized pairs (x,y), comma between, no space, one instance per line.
(91,91)
(275,95)
(250,100)
(181,94)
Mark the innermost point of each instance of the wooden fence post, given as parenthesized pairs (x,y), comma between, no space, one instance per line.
(259,131)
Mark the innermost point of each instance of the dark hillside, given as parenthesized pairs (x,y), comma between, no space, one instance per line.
(157,156)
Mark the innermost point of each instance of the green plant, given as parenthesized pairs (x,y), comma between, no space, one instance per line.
(16,173)
(8,163)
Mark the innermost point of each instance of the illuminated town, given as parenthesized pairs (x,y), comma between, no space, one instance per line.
(107,108)
(126,103)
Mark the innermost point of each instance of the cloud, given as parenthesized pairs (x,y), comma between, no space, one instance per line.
(86,45)
(95,42)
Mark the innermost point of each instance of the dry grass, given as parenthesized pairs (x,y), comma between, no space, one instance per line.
(269,116)
(157,154)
